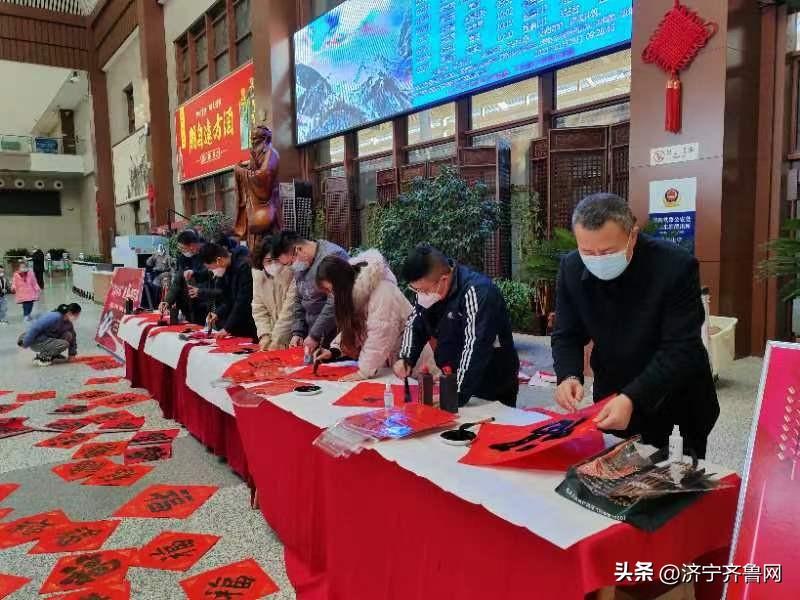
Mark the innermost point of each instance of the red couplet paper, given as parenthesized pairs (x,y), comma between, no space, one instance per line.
(100,362)
(244,580)
(10,584)
(174,551)
(91,395)
(6,489)
(275,388)
(140,454)
(80,470)
(4,512)
(262,366)
(68,424)
(583,442)
(161,436)
(130,424)
(31,396)
(71,409)
(13,426)
(324,372)
(6,392)
(74,537)
(119,475)
(103,380)
(28,529)
(364,394)
(65,441)
(7,408)
(109,591)
(232,348)
(120,400)
(116,415)
(180,328)
(82,570)
(401,422)
(167,501)
(98,449)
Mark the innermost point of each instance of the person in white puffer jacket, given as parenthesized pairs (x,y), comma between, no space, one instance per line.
(371,311)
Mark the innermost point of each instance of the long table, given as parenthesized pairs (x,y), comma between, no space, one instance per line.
(405,519)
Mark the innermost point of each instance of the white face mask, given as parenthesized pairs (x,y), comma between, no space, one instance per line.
(188,254)
(273,269)
(608,266)
(218,272)
(299,266)
(427,299)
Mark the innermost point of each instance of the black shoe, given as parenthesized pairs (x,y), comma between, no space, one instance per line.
(42,361)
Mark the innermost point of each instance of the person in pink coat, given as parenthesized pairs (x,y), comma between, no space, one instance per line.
(26,289)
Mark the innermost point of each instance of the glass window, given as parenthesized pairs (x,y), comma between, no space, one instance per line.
(520,140)
(508,103)
(220,35)
(242,12)
(594,80)
(330,151)
(202,79)
(373,140)
(432,124)
(431,153)
(244,51)
(201,50)
(183,62)
(367,182)
(222,65)
(607,115)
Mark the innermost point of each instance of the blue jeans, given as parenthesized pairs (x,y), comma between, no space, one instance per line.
(3,307)
(27,308)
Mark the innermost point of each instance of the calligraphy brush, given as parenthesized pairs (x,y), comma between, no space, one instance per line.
(407,391)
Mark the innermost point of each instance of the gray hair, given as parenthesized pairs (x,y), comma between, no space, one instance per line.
(598,209)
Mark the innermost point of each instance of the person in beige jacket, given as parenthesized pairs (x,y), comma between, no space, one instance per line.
(274,295)
(371,311)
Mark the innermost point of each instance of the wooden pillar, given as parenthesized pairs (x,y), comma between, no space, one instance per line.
(547,100)
(463,123)
(104,181)
(399,142)
(351,175)
(153,51)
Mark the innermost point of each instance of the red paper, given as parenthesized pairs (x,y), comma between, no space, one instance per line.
(6,489)
(4,512)
(161,436)
(82,570)
(174,551)
(67,440)
(103,380)
(82,469)
(130,424)
(28,529)
(10,584)
(68,425)
(139,454)
(180,328)
(167,501)
(6,392)
(116,415)
(71,409)
(232,348)
(275,388)
(106,365)
(96,450)
(364,394)
(74,537)
(31,396)
(264,366)
(331,372)
(115,475)
(13,426)
(244,580)
(120,400)
(91,395)
(7,408)
(113,591)
(400,422)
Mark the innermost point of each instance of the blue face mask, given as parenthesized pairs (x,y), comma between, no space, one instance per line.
(608,266)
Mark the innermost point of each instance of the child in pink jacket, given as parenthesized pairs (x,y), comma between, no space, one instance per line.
(26,288)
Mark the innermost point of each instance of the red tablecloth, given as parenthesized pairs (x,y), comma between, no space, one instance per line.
(365,528)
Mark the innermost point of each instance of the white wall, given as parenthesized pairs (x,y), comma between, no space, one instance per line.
(178,17)
(89,236)
(27,91)
(122,70)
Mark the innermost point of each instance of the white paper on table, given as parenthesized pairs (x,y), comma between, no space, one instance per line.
(131,330)
(165,347)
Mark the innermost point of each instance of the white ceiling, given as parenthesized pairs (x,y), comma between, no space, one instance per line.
(75,7)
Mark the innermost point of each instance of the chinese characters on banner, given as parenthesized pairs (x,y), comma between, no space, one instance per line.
(213,128)
(175,551)
(244,580)
(167,501)
(673,208)
(127,283)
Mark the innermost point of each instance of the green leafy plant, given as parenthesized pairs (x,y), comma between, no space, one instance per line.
(56,253)
(444,212)
(783,260)
(17,252)
(525,223)
(94,258)
(210,225)
(518,297)
(318,225)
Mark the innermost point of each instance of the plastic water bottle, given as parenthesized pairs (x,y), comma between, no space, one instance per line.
(388,397)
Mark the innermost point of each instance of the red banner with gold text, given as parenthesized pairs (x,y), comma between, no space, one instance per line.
(212,129)
(127,283)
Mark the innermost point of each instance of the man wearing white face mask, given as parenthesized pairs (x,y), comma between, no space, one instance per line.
(232,314)
(274,295)
(638,300)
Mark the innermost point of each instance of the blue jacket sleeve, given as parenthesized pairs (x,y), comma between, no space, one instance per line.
(480,332)
(39,326)
(415,336)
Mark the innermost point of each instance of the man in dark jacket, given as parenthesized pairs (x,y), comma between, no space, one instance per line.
(638,300)
(467,316)
(38,265)
(191,288)
(231,313)
(314,313)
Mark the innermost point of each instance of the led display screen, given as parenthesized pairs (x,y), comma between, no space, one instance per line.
(369,60)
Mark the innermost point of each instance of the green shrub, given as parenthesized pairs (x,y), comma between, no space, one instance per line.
(518,298)
(211,226)
(17,252)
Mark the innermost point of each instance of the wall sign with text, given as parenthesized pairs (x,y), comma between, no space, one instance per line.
(673,208)
(212,129)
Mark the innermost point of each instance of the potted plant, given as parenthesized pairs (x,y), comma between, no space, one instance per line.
(783,263)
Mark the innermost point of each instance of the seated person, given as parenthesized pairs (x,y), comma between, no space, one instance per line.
(467,316)
(230,313)
(190,289)
(52,334)
(274,295)
(314,320)
(371,311)
(159,267)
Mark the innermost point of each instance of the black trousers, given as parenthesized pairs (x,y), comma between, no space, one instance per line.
(39,277)
(500,380)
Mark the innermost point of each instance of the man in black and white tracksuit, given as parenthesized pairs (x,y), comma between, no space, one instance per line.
(464,316)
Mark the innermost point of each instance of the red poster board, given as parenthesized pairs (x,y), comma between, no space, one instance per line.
(768,518)
(127,283)
(213,128)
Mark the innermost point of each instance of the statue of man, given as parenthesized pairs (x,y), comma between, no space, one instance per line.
(257,188)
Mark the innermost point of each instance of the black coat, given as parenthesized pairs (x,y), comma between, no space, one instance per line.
(646,328)
(234,307)
(38,260)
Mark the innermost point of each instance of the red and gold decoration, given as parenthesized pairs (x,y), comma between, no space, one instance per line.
(674,45)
